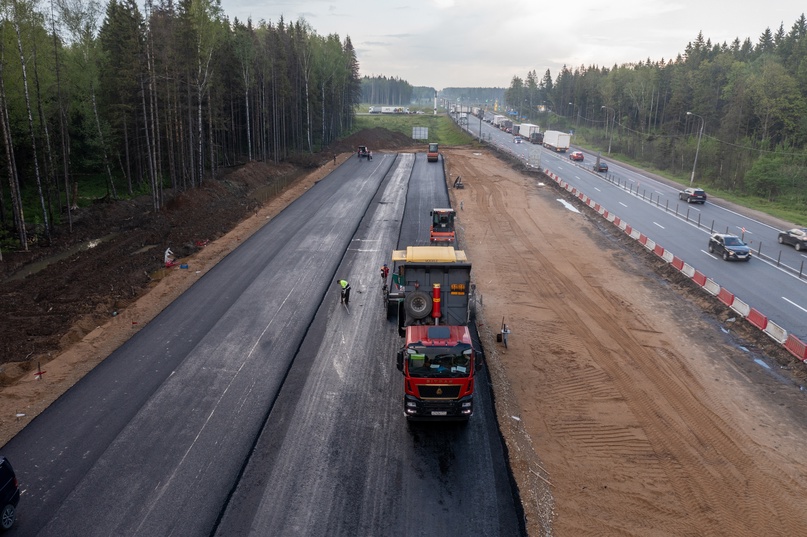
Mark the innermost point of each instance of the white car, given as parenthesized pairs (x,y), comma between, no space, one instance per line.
(517,140)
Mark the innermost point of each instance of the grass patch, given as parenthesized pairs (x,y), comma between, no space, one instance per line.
(441,128)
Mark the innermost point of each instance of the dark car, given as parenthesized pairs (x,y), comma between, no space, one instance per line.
(576,155)
(9,494)
(693,195)
(601,166)
(730,247)
(796,237)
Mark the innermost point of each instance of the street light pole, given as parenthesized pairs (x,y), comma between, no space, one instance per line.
(613,120)
(481,115)
(697,148)
(577,119)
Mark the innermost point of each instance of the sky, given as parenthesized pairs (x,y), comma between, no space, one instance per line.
(484,43)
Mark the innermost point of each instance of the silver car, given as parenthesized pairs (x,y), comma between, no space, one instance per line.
(796,237)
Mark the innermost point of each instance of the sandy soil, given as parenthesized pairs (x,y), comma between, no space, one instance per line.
(626,408)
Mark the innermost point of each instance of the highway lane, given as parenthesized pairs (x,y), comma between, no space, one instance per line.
(769,283)
(263,381)
(337,457)
(427,191)
(153,439)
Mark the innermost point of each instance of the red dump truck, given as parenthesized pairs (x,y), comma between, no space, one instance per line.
(431,294)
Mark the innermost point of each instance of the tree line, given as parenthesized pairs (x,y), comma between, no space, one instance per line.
(157,99)
(744,101)
(381,90)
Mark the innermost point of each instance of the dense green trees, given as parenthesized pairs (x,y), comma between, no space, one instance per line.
(154,100)
(752,98)
(381,90)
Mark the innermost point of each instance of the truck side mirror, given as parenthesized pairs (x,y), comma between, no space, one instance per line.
(400,361)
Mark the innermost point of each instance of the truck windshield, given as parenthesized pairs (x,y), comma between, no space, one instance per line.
(439,362)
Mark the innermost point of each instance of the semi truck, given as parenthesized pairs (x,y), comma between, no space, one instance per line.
(557,141)
(442,228)
(537,138)
(526,130)
(497,119)
(431,293)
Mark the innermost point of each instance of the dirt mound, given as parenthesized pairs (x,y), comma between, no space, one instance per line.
(377,139)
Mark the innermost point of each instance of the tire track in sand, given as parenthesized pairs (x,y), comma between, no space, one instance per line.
(676,462)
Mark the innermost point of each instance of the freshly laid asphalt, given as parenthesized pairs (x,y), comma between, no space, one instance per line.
(257,404)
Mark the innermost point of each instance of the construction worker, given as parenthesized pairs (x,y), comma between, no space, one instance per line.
(345,288)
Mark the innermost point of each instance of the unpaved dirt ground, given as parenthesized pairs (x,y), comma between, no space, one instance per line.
(626,407)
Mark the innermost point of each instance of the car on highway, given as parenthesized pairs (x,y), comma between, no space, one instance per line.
(796,237)
(9,494)
(577,155)
(693,195)
(601,166)
(516,139)
(729,247)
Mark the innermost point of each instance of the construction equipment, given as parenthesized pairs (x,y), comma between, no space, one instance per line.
(431,293)
(442,228)
(363,152)
(433,153)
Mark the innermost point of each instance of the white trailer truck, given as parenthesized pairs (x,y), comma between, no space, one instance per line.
(527,129)
(557,141)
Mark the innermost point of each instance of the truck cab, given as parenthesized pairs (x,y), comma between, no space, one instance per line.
(439,365)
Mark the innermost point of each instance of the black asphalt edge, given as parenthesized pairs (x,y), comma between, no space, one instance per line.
(540,491)
(291,363)
(476,341)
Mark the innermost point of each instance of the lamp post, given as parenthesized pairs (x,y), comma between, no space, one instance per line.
(612,125)
(577,118)
(697,148)
(481,115)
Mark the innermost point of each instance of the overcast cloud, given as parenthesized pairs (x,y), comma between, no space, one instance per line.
(484,43)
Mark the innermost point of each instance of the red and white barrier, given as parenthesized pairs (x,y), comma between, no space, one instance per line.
(756,318)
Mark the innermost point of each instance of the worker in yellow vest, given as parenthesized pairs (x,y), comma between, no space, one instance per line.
(345,288)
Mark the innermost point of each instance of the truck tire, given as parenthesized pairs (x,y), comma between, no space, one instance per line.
(401,318)
(392,309)
(418,305)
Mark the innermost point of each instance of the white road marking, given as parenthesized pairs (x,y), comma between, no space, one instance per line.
(659,225)
(622,204)
(791,302)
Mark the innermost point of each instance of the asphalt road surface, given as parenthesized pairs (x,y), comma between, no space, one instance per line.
(258,404)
